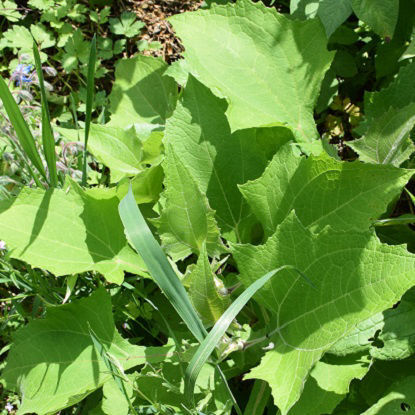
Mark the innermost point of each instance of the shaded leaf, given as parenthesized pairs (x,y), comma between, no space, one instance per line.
(69,231)
(216,159)
(355,276)
(186,222)
(127,25)
(322,191)
(141,92)
(399,398)
(204,293)
(53,362)
(331,12)
(329,382)
(380,15)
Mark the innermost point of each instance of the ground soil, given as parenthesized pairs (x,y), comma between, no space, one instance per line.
(154,14)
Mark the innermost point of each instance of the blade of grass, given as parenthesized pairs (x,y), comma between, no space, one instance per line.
(160,269)
(23,133)
(258,399)
(143,241)
(117,375)
(400,220)
(26,162)
(212,339)
(89,101)
(48,140)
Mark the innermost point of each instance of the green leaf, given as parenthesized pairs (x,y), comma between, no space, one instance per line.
(216,159)
(398,94)
(258,399)
(355,277)
(211,341)
(105,48)
(23,132)
(204,293)
(42,36)
(331,13)
(141,92)
(127,25)
(399,398)
(77,12)
(323,191)
(187,222)
(8,9)
(113,365)
(113,401)
(41,4)
(53,362)
(267,66)
(381,376)
(410,50)
(48,140)
(179,70)
(387,140)
(387,336)
(389,118)
(126,152)
(77,50)
(20,39)
(159,267)
(146,185)
(90,92)
(329,382)
(69,231)
(344,64)
(120,150)
(380,15)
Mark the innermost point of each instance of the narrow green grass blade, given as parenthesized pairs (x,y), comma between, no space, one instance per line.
(89,100)
(400,220)
(145,244)
(258,398)
(209,343)
(160,269)
(48,140)
(117,375)
(23,133)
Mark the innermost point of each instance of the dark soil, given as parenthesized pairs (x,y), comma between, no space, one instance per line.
(154,14)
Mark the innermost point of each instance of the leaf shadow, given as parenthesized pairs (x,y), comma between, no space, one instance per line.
(149,97)
(40,218)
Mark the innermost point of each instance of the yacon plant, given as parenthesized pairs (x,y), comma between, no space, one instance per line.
(262,240)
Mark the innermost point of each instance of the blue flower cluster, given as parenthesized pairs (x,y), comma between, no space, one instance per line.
(23,74)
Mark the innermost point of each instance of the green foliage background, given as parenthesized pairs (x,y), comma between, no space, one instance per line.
(273,165)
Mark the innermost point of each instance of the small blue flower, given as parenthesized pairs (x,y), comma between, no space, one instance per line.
(23,74)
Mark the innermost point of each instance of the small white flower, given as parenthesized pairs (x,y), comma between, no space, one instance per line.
(9,406)
(2,246)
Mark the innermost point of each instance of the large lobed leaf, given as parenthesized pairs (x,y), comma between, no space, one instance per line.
(380,15)
(322,191)
(187,222)
(329,382)
(203,291)
(355,277)
(386,336)
(199,135)
(331,13)
(267,66)
(53,362)
(390,116)
(68,231)
(141,92)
